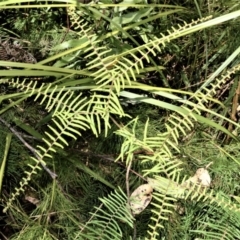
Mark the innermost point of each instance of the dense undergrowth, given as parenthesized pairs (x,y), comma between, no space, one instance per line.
(98,106)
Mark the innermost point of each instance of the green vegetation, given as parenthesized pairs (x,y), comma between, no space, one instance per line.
(100,98)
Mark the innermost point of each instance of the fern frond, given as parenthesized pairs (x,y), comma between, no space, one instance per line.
(104,223)
(180,125)
(71,115)
(24,182)
(224,230)
(168,191)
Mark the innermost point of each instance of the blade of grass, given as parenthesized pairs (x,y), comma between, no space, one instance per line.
(2,169)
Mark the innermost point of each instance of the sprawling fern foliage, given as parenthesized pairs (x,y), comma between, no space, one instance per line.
(86,99)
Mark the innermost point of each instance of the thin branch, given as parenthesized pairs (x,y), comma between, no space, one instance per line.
(116,123)
(128,196)
(33,150)
(127,181)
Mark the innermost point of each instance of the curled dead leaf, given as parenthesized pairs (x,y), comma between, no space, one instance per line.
(140,198)
(203,177)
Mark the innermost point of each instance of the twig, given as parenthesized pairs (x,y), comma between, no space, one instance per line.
(4,236)
(128,196)
(116,123)
(208,165)
(127,181)
(33,150)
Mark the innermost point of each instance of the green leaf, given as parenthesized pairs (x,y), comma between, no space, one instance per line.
(27,128)
(44,120)
(71,44)
(177,109)
(130,17)
(93,174)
